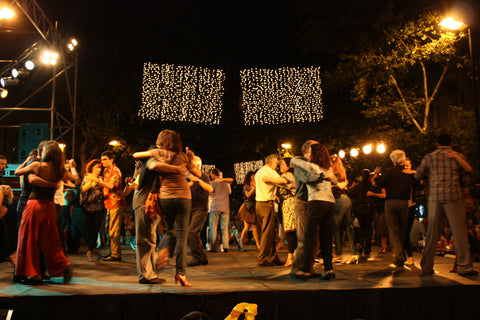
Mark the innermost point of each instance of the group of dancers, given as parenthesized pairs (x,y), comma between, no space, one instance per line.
(315,207)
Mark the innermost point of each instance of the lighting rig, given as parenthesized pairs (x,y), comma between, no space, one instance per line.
(52,57)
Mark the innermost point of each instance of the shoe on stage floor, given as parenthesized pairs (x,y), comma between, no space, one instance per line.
(182,280)
(33,282)
(409,261)
(151,281)
(67,274)
(353,260)
(337,259)
(195,262)
(111,258)
(300,275)
(471,273)
(328,275)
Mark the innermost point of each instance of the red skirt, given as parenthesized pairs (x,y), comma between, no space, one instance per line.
(38,231)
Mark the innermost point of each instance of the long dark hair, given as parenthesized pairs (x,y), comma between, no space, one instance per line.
(248,178)
(54,154)
(320,156)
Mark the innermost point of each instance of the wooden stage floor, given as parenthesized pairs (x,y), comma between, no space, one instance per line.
(231,272)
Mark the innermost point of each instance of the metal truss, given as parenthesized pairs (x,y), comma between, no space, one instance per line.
(61,126)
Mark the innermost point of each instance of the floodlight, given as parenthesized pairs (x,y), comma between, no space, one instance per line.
(29,65)
(9,81)
(6,13)
(3,93)
(49,57)
(19,73)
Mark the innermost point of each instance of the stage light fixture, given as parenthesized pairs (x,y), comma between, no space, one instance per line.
(6,13)
(341,154)
(3,93)
(29,65)
(9,81)
(49,57)
(72,44)
(354,152)
(19,73)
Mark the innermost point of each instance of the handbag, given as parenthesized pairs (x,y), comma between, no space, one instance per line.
(91,200)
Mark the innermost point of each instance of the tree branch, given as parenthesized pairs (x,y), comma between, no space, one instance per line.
(405,104)
(427,99)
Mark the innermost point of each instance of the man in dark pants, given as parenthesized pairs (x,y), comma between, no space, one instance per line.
(200,188)
(398,186)
(301,198)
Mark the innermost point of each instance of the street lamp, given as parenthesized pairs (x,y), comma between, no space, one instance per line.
(452,24)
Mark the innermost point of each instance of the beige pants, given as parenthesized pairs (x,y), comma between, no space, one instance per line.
(115,225)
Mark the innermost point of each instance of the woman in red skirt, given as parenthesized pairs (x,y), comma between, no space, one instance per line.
(38,229)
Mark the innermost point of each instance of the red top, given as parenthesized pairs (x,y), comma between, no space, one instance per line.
(113,175)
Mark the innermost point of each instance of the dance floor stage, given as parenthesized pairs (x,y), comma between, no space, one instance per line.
(369,290)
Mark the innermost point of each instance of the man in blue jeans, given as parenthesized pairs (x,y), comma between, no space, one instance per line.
(219,208)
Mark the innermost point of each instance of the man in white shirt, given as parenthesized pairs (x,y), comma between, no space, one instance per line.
(265,179)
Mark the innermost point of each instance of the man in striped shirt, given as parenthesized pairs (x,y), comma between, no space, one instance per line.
(444,167)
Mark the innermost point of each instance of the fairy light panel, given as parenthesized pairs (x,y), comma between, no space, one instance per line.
(182,93)
(207,167)
(242,168)
(284,95)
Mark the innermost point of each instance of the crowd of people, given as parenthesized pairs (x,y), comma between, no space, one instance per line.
(309,198)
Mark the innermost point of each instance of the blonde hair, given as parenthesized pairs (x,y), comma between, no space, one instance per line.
(7,194)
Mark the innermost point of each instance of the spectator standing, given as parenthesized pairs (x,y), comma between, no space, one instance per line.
(219,209)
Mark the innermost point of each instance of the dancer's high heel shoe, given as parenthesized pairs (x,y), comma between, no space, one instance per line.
(353,260)
(161,258)
(182,280)
(289,261)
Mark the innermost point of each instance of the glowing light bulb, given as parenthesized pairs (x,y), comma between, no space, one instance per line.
(367,149)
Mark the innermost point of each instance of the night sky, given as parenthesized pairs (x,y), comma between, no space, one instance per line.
(117,38)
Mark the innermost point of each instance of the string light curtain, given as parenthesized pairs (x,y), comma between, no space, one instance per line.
(207,167)
(284,95)
(182,93)
(242,168)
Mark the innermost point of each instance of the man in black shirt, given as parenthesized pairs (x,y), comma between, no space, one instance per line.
(398,186)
